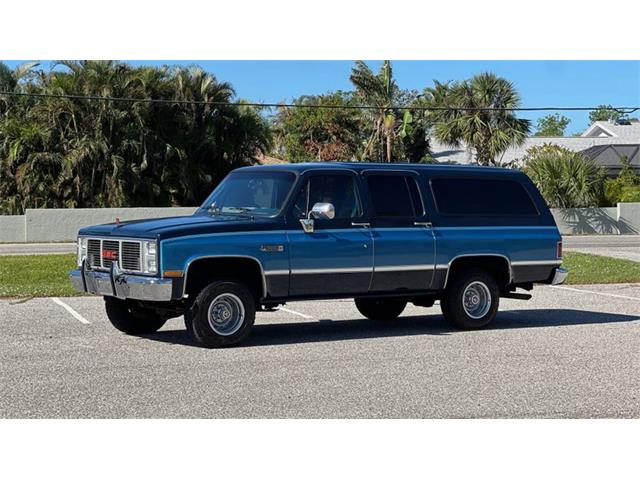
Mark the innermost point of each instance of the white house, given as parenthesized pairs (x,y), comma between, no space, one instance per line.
(605,142)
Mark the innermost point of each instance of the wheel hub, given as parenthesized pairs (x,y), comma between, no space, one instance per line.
(476,300)
(226,314)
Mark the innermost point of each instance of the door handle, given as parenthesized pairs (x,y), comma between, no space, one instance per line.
(423,224)
(363,224)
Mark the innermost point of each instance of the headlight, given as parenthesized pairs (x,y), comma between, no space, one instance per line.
(150,257)
(82,250)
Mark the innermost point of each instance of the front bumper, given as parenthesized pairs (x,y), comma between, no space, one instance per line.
(559,276)
(117,284)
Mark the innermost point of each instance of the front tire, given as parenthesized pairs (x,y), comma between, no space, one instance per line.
(471,300)
(132,319)
(380,308)
(222,314)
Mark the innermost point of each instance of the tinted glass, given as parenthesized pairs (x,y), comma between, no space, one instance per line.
(395,196)
(254,193)
(338,190)
(471,196)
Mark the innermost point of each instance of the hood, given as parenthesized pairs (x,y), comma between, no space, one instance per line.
(169,227)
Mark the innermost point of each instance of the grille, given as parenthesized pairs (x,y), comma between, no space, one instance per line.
(131,256)
(101,254)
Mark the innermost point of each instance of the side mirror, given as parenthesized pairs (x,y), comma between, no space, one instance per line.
(323,211)
(320,211)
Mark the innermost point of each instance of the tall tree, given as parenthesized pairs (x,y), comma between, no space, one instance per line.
(305,133)
(466,115)
(552,126)
(387,123)
(65,152)
(604,113)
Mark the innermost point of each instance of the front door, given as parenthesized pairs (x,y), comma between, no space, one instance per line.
(337,257)
(404,240)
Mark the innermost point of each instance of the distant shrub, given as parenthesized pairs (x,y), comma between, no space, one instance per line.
(565,179)
(625,187)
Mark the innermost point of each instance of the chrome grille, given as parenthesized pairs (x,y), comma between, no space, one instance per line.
(130,256)
(93,252)
(110,247)
(101,253)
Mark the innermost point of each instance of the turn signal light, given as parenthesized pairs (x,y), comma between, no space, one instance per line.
(173,273)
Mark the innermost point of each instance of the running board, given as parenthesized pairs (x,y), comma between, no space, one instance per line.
(517,296)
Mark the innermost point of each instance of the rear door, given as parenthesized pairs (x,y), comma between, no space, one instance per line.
(403,238)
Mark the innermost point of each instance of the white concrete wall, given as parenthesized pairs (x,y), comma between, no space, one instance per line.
(62,225)
(620,220)
(59,224)
(12,229)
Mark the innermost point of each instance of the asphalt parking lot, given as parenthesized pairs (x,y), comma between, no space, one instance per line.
(569,352)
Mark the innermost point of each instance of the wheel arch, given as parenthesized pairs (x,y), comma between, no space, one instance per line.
(198,269)
(497,263)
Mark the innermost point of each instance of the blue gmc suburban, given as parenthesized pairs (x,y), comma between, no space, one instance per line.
(382,234)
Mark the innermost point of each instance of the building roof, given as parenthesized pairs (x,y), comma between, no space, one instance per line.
(609,155)
(598,134)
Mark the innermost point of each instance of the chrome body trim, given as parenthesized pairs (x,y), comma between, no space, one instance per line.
(117,284)
(403,268)
(523,263)
(310,271)
(559,276)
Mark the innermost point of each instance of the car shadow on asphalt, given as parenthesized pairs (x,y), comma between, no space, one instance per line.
(326,330)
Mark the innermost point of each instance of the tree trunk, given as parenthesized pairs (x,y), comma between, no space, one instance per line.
(389,145)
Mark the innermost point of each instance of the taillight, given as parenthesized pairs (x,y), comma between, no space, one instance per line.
(559,250)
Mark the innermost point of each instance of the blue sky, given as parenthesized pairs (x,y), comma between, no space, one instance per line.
(540,83)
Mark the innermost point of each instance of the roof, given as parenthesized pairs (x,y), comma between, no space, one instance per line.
(623,133)
(610,155)
(359,166)
(598,134)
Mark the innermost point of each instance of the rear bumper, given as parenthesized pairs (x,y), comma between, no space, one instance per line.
(559,276)
(117,284)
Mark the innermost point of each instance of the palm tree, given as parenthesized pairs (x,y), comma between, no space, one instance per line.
(379,91)
(467,116)
(565,179)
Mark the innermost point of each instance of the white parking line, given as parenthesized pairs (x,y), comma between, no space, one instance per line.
(303,315)
(73,313)
(596,293)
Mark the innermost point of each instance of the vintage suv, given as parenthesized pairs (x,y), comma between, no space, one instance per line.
(383,234)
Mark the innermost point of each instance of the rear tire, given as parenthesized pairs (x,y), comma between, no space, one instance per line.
(132,319)
(471,300)
(222,314)
(380,308)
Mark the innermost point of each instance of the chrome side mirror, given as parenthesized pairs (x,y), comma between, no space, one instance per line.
(323,211)
(320,211)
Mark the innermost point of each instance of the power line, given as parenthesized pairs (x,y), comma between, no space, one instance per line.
(621,110)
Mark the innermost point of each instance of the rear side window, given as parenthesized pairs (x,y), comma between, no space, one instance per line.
(481,197)
(395,196)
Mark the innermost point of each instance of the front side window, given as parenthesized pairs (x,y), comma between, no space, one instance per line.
(252,193)
(481,197)
(395,196)
(339,190)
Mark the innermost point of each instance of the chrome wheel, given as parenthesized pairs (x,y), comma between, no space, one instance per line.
(226,314)
(476,300)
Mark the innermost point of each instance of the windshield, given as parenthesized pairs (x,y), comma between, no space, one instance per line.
(250,193)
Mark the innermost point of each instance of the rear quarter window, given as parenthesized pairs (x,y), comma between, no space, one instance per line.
(482,197)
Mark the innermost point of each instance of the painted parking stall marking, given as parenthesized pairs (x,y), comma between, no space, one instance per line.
(73,313)
(591,292)
(288,310)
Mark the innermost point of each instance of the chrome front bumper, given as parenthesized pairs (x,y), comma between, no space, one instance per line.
(121,285)
(559,276)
